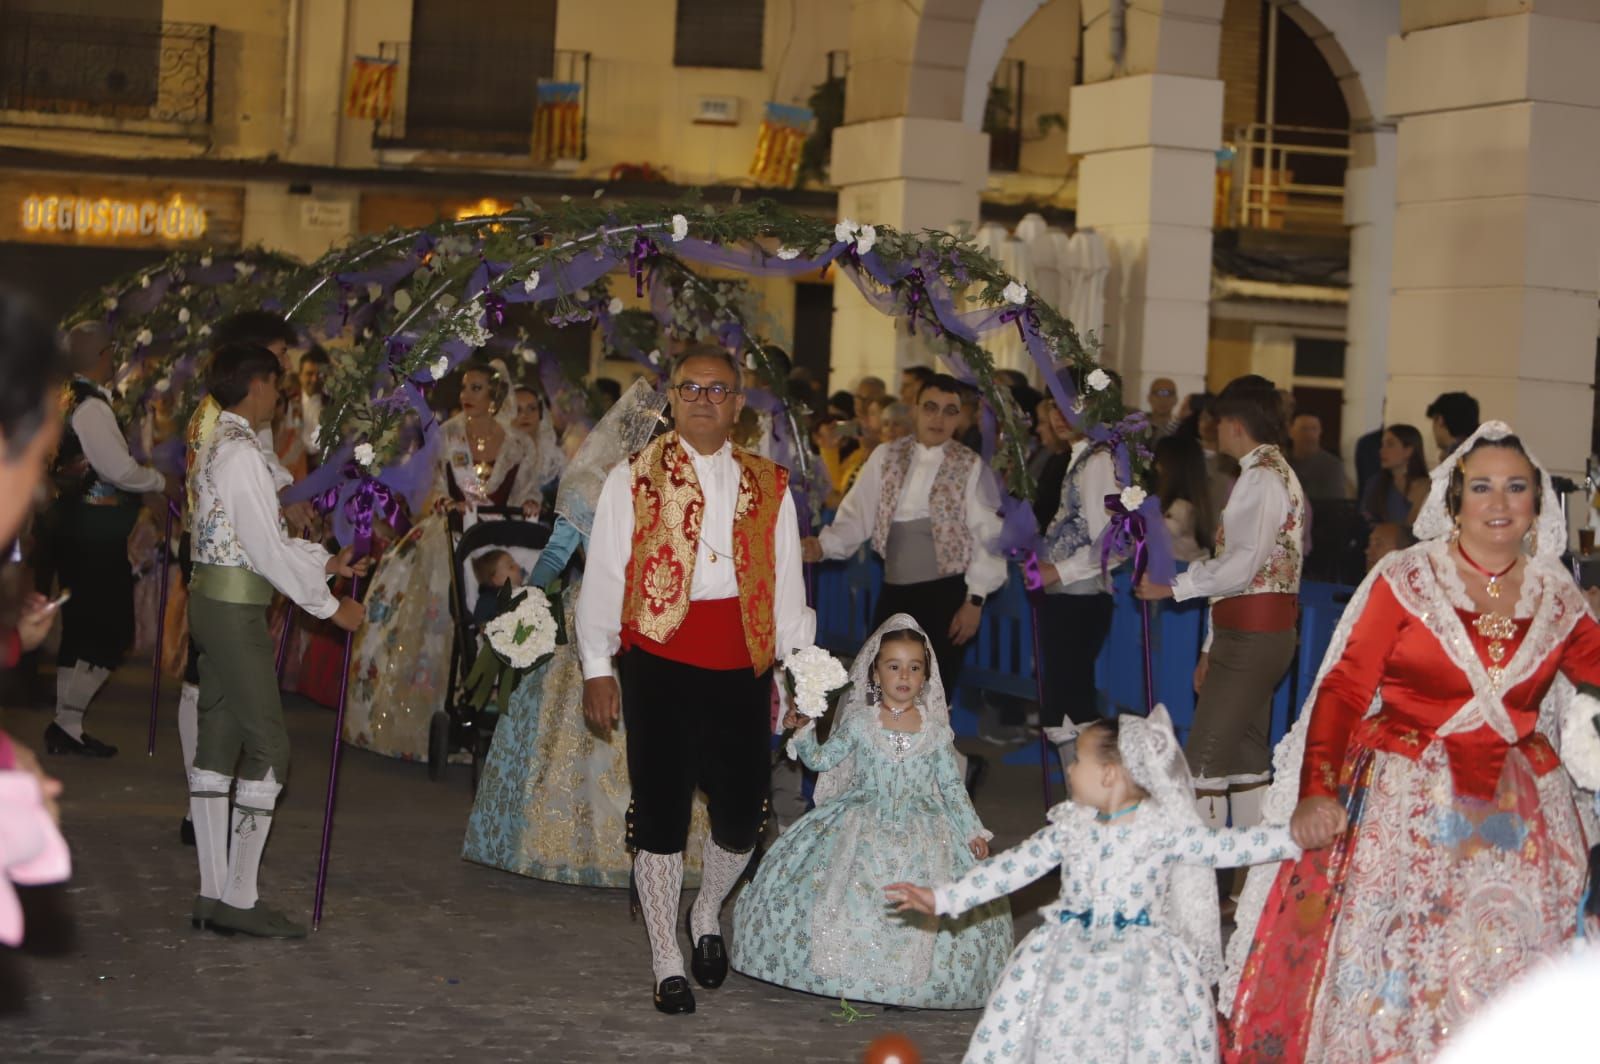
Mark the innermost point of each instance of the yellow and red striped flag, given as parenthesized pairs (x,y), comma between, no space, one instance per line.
(371,92)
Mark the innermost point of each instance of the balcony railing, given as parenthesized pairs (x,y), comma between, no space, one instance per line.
(454,98)
(1283,177)
(129,69)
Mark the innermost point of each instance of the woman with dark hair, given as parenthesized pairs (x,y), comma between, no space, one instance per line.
(1396,494)
(400,661)
(1441,752)
(1182,483)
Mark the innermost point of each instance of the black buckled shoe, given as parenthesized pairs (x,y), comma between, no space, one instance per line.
(57,741)
(709,960)
(674,997)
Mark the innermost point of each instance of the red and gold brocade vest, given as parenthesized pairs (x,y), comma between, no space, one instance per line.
(1280,574)
(668,507)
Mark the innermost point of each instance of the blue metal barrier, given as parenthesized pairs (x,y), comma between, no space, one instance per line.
(1001,657)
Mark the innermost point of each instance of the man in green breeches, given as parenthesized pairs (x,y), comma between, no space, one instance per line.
(242,553)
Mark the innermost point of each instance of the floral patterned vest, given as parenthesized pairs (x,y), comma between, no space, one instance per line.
(1069,530)
(1280,574)
(947,502)
(668,507)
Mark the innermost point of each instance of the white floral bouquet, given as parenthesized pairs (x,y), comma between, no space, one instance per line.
(520,639)
(815,676)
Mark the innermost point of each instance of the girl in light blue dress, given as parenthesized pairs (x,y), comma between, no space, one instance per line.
(890,805)
(1122,968)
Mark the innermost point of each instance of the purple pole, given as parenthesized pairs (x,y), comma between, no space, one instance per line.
(333,771)
(161,621)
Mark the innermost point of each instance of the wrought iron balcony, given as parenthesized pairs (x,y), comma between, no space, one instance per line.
(130,69)
(452,98)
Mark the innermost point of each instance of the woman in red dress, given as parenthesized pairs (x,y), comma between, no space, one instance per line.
(1429,757)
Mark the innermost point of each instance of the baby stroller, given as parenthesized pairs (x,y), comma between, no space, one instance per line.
(459,726)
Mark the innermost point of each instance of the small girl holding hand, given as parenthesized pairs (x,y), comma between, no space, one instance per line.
(891,804)
(1122,968)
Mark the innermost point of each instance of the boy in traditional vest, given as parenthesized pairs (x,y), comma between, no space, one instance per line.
(1253,584)
(242,552)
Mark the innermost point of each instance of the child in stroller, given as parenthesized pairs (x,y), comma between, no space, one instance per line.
(498,547)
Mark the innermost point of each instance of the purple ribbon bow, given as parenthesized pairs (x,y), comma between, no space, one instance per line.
(1125,534)
(371,498)
(644,249)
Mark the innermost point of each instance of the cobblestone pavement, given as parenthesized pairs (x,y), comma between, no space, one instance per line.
(421,956)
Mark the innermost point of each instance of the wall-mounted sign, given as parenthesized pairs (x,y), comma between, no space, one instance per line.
(106,217)
(60,209)
(326,216)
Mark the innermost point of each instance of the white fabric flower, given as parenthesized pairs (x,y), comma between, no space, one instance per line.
(111,303)
(440,367)
(365,455)
(530,282)
(615,306)
(205,260)
(144,280)
(528,355)
(1098,379)
(204,330)
(816,674)
(654,357)
(183,315)
(867,237)
(244,270)
(402,300)
(164,384)
(1133,497)
(750,360)
(787,254)
(145,338)
(374,291)
(680,227)
(1016,292)
(844,232)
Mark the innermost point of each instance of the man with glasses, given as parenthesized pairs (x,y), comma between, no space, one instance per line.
(693,583)
(930,507)
(1163,401)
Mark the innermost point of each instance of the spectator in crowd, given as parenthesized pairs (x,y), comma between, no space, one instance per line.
(1455,417)
(897,423)
(912,378)
(1397,493)
(842,404)
(1163,401)
(1055,437)
(1321,473)
(869,389)
(1385,539)
(968,427)
(841,453)
(1183,486)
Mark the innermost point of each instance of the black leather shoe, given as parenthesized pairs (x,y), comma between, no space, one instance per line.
(673,996)
(709,961)
(186,831)
(57,741)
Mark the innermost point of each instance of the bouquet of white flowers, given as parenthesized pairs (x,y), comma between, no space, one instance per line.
(520,639)
(815,676)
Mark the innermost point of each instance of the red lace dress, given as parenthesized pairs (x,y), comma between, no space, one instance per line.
(1465,859)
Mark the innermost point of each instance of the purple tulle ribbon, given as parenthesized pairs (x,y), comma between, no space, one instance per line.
(644,249)
(371,498)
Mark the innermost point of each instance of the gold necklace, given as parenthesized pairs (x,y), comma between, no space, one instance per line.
(715,553)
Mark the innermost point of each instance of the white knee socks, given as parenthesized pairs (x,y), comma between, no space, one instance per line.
(658,877)
(189,723)
(75,689)
(1213,808)
(1245,806)
(208,807)
(252,821)
(719,871)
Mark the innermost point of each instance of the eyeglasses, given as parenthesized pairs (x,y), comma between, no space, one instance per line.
(1164,393)
(930,408)
(715,394)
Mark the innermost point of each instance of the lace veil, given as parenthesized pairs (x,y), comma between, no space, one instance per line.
(1432,528)
(1153,757)
(858,706)
(626,427)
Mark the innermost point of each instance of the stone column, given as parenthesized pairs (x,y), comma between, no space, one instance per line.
(911,173)
(1146,127)
(1369,212)
(1497,228)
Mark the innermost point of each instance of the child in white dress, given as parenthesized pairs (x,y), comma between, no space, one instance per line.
(1122,968)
